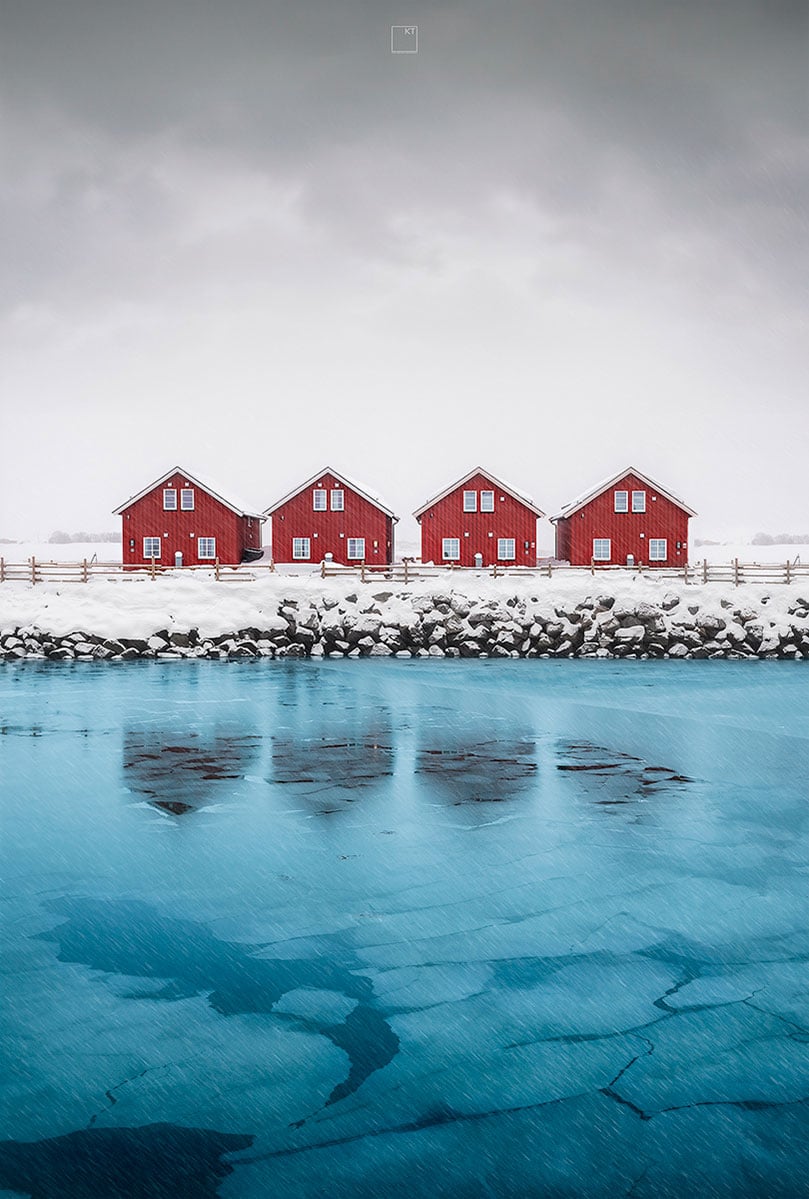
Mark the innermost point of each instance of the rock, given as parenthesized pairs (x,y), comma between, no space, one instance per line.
(380,651)
(630,634)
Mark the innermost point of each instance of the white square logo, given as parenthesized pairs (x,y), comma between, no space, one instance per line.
(404,39)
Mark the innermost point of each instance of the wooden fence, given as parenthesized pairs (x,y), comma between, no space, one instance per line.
(735,572)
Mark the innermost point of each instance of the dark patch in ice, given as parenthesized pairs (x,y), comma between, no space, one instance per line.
(155,1161)
(133,939)
(174,770)
(480,771)
(611,778)
(329,764)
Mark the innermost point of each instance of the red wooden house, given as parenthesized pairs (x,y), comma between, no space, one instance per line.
(179,521)
(625,520)
(328,515)
(479,521)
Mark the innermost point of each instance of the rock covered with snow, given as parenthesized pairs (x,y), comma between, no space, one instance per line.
(190,617)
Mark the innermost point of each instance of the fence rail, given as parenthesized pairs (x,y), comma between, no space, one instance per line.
(35,571)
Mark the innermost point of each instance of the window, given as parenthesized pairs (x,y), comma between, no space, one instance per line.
(638,501)
(300,546)
(602,550)
(487,501)
(451,548)
(170,499)
(187,499)
(319,499)
(337,500)
(356,547)
(151,547)
(505,549)
(658,549)
(622,501)
(470,501)
(206,547)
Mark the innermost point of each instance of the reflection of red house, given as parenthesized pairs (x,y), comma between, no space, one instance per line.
(179,521)
(626,519)
(479,521)
(328,514)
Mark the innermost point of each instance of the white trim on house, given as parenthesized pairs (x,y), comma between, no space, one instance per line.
(510,552)
(449,555)
(655,554)
(240,510)
(355,548)
(159,541)
(499,486)
(210,547)
(347,483)
(586,497)
(600,553)
(301,549)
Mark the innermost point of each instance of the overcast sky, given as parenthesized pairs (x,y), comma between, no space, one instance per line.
(563,237)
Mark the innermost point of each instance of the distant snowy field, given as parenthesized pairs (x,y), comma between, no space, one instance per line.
(43,551)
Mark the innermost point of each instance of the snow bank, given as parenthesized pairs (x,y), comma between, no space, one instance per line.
(577,615)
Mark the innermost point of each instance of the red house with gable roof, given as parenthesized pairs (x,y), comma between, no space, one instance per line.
(179,521)
(626,520)
(479,521)
(331,515)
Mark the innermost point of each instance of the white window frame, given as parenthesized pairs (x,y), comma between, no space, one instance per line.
(622,504)
(504,555)
(470,501)
(200,541)
(337,499)
(602,541)
(169,499)
(319,500)
(301,549)
(186,499)
(157,541)
(355,548)
(447,555)
(638,501)
(487,501)
(654,554)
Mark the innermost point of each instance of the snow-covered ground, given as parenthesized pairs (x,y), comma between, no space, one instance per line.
(137,606)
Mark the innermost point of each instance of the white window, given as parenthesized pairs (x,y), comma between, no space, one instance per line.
(337,499)
(470,501)
(319,499)
(658,549)
(505,549)
(300,546)
(622,501)
(187,499)
(151,547)
(170,499)
(356,547)
(602,549)
(487,501)
(451,549)
(206,547)
(638,501)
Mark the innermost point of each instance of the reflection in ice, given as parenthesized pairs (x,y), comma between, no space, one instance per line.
(470,982)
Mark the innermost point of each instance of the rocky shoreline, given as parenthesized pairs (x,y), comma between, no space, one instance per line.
(452,625)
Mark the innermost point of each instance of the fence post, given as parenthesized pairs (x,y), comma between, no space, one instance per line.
(153,567)
(272,566)
(33,570)
(685,573)
(736,572)
(362,571)
(550,570)
(592,566)
(789,577)
(405,569)
(2,570)
(84,570)
(705,570)
(216,568)
(494,571)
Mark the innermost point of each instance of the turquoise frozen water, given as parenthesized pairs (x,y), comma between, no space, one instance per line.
(451,928)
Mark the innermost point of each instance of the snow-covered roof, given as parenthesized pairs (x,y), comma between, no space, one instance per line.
(352,484)
(585,498)
(520,496)
(235,505)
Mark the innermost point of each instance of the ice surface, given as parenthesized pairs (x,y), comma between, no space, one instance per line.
(245,900)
